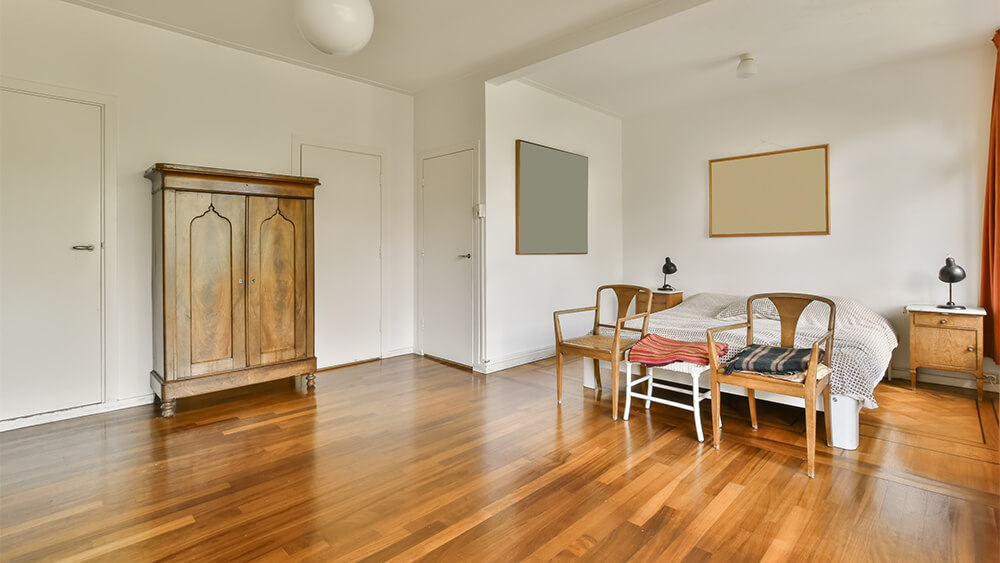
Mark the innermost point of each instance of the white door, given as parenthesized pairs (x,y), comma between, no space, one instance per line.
(50,293)
(447,282)
(348,234)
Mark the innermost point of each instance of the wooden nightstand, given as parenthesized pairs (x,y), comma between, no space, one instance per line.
(950,339)
(661,300)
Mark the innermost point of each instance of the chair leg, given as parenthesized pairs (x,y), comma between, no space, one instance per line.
(752,398)
(826,416)
(614,388)
(559,371)
(716,414)
(597,374)
(649,383)
(811,435)
(696,403)
(628,389)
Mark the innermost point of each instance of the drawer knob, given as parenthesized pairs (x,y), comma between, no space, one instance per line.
(972,348)
(943,321)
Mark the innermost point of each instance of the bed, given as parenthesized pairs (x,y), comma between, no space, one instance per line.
(862,347)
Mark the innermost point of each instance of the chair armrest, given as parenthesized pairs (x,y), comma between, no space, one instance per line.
(577,310)
(828,336)
(621,324)
(715,329)
(713,357)
(555,318)
(645,323)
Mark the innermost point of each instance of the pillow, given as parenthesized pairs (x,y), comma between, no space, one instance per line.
(771,359)
(762,309)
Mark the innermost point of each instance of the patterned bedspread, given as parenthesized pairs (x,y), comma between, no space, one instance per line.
(862,344)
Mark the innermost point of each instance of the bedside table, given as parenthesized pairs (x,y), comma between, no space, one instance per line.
(949,339)
(661,300)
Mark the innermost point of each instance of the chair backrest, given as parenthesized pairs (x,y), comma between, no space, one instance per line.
(624,295)
(790,307)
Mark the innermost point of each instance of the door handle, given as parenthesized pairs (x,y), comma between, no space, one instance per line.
(465,255)
(88,247)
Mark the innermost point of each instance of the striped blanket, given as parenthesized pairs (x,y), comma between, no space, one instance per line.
(654,351)
(771,359)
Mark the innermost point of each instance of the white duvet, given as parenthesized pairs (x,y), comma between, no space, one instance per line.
(863,340)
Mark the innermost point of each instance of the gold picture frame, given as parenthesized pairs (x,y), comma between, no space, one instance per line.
(779,193)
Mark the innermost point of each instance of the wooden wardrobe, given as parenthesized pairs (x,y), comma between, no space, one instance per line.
(233,284)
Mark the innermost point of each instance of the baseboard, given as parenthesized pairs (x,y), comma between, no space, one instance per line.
(399,352)
(492,366)
(951,378)
(77,412)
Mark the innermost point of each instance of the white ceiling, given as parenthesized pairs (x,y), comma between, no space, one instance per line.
(624,57)
(692,56)
(416,43)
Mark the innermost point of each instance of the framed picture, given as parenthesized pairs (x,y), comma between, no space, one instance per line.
(551,200)
(769,194)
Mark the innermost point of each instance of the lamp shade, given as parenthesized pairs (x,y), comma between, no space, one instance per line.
(668,266)
(335,27)
(951,272)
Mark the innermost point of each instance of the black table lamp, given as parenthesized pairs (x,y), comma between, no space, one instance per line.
(668,268)
(950,273)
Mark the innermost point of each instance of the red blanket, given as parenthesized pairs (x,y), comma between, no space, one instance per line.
(654,350)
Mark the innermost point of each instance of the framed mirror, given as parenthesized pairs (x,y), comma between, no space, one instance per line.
(774,193)
(551,200)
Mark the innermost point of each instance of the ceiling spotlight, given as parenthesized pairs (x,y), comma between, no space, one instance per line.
(335,27)
(747,66)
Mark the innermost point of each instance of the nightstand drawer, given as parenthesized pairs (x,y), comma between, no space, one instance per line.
(945,320)
(933,346)
(661,301)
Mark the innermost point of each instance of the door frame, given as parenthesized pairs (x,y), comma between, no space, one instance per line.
(108,106)
(379,152)
(478,319)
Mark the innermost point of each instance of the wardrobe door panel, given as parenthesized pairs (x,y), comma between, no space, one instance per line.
(276,324)
(210,250)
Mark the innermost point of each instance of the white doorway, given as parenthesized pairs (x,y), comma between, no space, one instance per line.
(53,251)
(448,256)
(348,235)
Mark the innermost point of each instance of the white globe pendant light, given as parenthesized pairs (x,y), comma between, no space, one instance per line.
(335,27)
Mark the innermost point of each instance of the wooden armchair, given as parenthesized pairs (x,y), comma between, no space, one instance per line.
(601,346)
(790,307)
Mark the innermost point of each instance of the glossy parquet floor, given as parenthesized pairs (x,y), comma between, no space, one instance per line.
(409,458)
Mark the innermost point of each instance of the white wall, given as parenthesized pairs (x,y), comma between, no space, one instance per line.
(188,101)
(448,114)
(523,291)
(447,117)
(908,147)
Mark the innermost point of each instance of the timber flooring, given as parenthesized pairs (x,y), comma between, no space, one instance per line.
(408,459)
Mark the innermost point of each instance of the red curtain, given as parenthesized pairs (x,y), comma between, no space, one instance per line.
(989,294)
